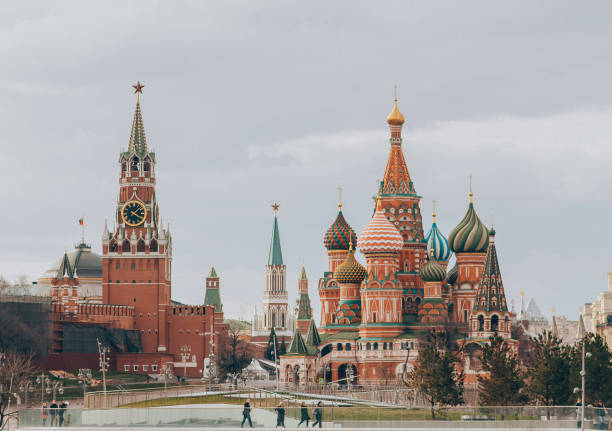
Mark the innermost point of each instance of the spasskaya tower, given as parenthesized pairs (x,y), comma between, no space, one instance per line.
(137,251)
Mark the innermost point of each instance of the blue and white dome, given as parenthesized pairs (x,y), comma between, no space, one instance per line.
(438,243)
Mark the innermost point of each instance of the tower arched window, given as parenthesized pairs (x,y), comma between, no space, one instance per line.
(113,246)
(274,320)
(125,247)
(140,246)
(480,322)
(153,246)
(146,165)
(135,164)
(283,319)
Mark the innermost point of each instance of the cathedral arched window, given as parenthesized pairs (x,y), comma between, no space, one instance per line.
(375,346)
(274,320)
(495,323)
(347,347)
(339,347)
(125,247)
(283,320)
(409,303)
(140,246)
(480,322)
(368,346)
(417,302)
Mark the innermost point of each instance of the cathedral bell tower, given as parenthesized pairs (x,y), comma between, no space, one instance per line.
(137,251)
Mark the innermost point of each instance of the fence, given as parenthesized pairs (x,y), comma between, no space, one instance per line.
(527,417)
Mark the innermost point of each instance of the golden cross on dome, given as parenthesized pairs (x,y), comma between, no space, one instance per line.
(553,310)
(395,92)
(471,194)
(433,214)
(275,208)
(340,198)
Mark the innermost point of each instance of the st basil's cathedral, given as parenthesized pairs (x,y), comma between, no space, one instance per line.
(374,317)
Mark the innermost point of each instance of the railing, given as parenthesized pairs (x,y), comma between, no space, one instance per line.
(522,417)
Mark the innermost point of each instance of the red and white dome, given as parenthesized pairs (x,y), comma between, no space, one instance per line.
(380,235)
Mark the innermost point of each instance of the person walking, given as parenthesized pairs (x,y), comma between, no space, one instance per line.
(246,413)
(318,415)
(578,413)
(305,415)
(53,412)
(60,413)
(280,415)
(601,414)
(44,414)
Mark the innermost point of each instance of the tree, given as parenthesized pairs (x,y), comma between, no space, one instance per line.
(598,378)
(549,370)
(234,355)
(17,336)
(435,375)
(503,384)
(271,346)
(15,368)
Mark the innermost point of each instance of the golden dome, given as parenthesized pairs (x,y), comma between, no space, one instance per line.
(395,118)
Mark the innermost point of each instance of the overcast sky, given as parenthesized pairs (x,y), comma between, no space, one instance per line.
(247,103)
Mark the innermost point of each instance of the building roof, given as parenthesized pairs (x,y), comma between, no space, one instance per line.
(432,271)
(138,139)
(212,273)
(380,235)
(298,346)
(275,256)
(87,263)
(312,337)
(437,242)
(350,271)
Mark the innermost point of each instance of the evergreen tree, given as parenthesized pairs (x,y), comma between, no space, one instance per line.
(435,375)
(504,383)
(270,349)
(549,370)
(598,378)
(283,348)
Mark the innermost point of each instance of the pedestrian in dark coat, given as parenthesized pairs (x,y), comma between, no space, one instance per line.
(601,414)
(280,415)
(53,412)
(305,415)
(60,412)
(318,415)
(246,413)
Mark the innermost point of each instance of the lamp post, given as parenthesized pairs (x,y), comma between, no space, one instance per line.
(185,353)
(103,352)
(25,388)
(56,387)
(167,369)
(43,381)
(85,379)
(582,336)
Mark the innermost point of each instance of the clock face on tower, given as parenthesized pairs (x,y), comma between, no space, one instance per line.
(133,213)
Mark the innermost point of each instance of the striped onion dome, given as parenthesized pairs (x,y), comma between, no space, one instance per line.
(339,234)
(470,235)
(451,276)
(380,235)
(432,271)
(350,271)
(438,243)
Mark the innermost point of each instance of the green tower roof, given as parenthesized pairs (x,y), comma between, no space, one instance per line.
(298,346)
(276,256)
(212,273)
(312,337)
(138,139)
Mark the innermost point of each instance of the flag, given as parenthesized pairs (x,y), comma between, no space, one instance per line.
(81,221)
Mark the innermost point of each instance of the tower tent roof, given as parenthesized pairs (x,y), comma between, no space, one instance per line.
(312,337)
(303,274)
(138,139)
(276,256)
(298,346)
(212,273)
(490,295)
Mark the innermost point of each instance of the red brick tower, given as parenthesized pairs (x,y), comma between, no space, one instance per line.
(400,204)
(137,254)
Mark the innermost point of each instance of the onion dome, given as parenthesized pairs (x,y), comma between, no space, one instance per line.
(470,235)
(432,271)
(451,277)
(395,118)
(437,243)
(380,235)
(350,271)
(339,234)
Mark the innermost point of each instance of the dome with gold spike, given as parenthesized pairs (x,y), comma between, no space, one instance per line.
(470,235)
(395,118)
(432,271)
(350,271)
(380,235)
(339,234)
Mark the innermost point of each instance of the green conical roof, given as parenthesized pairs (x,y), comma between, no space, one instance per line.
(303,273)
(312,337)
(65,268)
(276,256)
(212,273)
(490,295)
(298,347)
(138,139)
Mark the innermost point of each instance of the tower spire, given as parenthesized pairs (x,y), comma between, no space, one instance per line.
(276,256)
(138,139)
(339,198)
